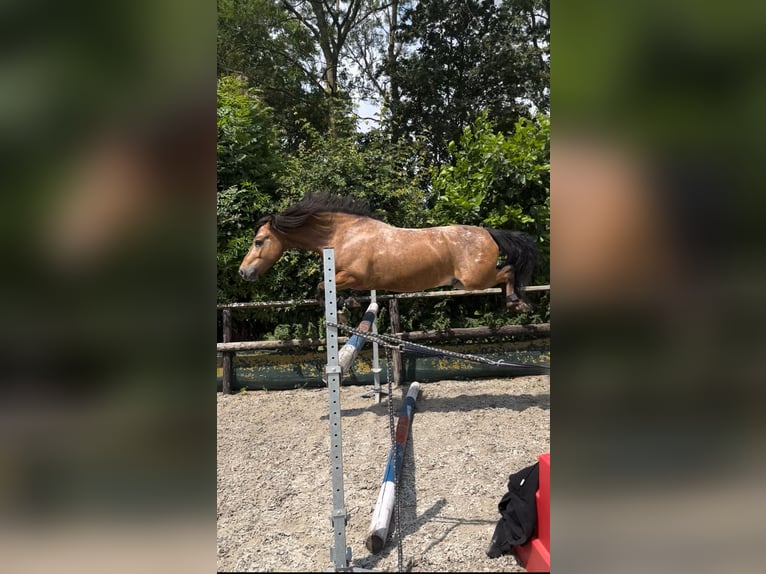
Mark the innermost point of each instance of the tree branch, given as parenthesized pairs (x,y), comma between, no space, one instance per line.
(301,18)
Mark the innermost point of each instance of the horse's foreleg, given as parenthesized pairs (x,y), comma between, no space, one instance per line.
(320,297)
(342,281)
(513,302)
(345,280)
(319,294)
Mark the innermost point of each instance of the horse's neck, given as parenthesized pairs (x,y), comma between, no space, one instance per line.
(313,236)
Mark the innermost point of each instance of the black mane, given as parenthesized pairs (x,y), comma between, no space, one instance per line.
(313,204)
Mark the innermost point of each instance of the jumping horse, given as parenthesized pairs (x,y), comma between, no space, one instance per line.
(370,254)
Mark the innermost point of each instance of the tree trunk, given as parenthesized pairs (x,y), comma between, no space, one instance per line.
(393,96)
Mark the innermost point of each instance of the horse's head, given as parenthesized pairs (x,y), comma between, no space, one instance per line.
(267,247)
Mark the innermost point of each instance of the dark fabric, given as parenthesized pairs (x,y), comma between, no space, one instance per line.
(518,509)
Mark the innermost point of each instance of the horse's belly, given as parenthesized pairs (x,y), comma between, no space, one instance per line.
(406,276)
(411,284)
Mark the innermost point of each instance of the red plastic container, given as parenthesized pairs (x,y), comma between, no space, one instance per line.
(535,555)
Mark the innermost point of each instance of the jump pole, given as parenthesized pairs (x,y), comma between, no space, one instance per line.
(355,343)
(381,516)
(340,554)
(375,354)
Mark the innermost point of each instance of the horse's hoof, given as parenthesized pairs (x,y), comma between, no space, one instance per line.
(518,306)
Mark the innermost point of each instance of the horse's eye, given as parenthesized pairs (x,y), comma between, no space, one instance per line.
(258,242)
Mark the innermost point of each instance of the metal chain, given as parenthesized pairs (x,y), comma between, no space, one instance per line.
(397,499)
(393,343)
(390,343)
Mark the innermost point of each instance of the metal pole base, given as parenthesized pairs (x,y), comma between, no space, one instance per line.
(374,393)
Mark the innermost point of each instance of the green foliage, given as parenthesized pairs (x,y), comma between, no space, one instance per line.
(498,180)
(389,175)
(459,142)
(248,161)
(233,207)
(247,145)
(259,41)
(462,57)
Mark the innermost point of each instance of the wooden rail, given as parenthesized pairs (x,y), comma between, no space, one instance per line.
(230,348)
(457,333)
(366,298)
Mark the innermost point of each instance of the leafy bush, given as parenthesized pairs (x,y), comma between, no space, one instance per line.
(498,180)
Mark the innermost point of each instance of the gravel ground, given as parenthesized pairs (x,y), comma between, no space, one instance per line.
(274,486)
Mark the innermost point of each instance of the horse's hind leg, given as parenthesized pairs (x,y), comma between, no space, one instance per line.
(513,302)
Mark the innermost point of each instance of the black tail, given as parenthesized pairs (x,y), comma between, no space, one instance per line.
(520,251)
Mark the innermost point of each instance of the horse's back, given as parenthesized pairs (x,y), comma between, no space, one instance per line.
(375,255)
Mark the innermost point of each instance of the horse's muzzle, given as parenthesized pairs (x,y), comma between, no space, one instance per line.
(248,273)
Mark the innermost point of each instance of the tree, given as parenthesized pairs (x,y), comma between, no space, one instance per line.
(470,55)
(259,41)
(247,148)
(374,48)
(498,180)
(330,27)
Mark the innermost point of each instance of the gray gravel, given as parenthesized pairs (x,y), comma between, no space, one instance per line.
(274,487)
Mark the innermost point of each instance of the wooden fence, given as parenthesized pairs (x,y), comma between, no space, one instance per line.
(229,348)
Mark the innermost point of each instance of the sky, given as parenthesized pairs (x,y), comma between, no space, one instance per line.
(367,109)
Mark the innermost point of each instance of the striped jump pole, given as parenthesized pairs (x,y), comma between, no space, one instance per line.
(375,354)
(355,343)
(381,517)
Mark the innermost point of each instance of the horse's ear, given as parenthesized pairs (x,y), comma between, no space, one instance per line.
(272,220)
(263,221)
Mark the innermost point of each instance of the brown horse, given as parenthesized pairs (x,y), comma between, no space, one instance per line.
(370,254)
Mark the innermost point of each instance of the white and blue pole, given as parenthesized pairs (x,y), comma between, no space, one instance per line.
(381,517)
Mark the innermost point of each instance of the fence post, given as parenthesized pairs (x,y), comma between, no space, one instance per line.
(396,355)
(227,355)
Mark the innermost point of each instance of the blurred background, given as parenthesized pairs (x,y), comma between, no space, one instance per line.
(657,262)
(107,413)
(107,408)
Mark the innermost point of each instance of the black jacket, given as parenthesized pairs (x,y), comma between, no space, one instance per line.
(518,509)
